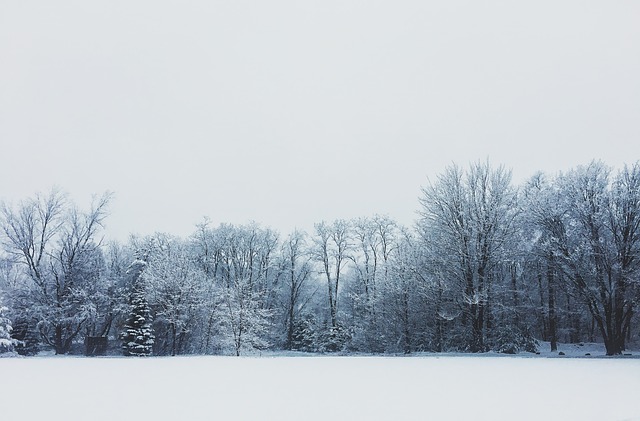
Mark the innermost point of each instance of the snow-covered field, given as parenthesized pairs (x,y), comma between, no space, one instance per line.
(320,388)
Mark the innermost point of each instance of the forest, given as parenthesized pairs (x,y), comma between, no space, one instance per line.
(488,266)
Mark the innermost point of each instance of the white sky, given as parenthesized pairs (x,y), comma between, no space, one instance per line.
(291,112)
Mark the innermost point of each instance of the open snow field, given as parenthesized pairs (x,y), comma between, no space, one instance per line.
(320,388)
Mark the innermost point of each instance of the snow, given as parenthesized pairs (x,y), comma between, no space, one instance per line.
(581,350)
(320,388)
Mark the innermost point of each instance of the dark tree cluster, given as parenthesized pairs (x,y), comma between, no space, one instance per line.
(489,266)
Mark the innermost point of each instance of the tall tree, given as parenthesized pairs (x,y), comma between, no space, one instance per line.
(598,245)
(6,341)
(59,251)
(241,261)
(403,295)
(374,241)
(544,209)
(137,337)
(175,293)
(295,270)
(331,249)
(472,214)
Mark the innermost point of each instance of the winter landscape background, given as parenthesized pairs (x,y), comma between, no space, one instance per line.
(538,281)
(356,135)
(488,267)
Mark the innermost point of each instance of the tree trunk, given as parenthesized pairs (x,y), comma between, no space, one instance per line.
(173,339)
(59,345)
(514,289)
(405,321)
(290,326)
(553,322)
(543,316)
(439,321)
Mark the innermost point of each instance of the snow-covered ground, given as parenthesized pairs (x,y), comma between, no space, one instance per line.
(579,350)
(320,388)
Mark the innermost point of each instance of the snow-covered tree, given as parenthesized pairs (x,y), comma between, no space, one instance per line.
(487,267)
(175,293)
(598,245)
(7,343)
(295,270)
(247,289)
(331,250)
(239,266)
(137,336)
(471,216)
(544,210)
(57,248)
(374,242)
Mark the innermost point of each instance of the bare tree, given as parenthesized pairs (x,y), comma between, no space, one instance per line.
(473,214)
(58,248)
(331,249)
(374,241)
(244,280)
(544,209)
(175,293)
(295,269)
(597,244)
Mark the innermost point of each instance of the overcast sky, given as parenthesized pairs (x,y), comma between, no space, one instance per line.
(293,112)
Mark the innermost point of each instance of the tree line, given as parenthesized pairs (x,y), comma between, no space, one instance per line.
(488,266)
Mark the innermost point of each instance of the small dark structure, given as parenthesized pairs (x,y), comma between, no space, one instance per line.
(95,345)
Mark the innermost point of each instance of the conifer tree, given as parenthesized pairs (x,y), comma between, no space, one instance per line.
(137,337)
(6,342)
(26,337)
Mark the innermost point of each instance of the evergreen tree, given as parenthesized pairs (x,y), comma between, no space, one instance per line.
(26,337)
(137,337)
(303,336)
(6,342)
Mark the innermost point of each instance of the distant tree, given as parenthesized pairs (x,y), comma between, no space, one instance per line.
(471,214)
(401,293)
(14,330)
(207,257)
(374,242)
(598,245)
(60,255)
(105,298)
(137,336)
(331,248)
(303,335)
(175,293)
(26,336)
(239,266)
(7,343)
(295,270)
(544,209)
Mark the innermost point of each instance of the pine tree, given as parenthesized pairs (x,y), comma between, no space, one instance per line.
(27,340)
(137,337)
(6,342)
(304,337)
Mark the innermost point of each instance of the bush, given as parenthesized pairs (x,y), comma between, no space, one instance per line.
(512,340)
(333,339)
(304,334)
